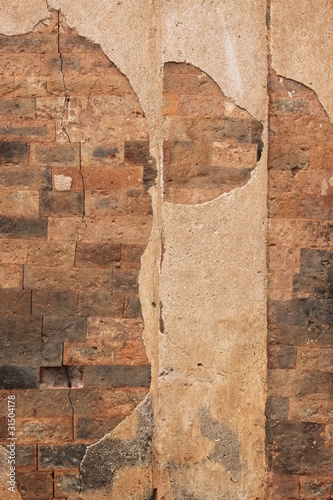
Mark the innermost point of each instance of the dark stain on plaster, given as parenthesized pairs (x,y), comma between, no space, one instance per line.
(105,458)
(227,447)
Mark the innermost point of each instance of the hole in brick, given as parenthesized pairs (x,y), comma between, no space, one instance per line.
(61,377)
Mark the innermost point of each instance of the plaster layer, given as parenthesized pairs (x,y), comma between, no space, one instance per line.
(226,39)
(21,17)
(302,45)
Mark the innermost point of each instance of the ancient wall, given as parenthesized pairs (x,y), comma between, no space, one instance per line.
(165,174)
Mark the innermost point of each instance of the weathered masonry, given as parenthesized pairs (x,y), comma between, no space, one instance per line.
(166,216)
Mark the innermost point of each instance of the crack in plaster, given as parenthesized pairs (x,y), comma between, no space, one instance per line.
(66,98)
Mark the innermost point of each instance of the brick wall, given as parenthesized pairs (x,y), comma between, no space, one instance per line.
(211,145)
(300,257)
(75,217)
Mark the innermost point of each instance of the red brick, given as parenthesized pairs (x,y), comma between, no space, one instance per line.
(18,107)
(118,353)
(109,179)
(15,302)
(28,131)
(19,203)
(56,154)
(11,276)
(91,429)
(36,485)
(44,430)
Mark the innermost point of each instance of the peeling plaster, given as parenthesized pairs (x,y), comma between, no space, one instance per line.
(302,45)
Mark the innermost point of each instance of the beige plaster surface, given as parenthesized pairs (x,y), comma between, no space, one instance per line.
(302,45)
(17,17)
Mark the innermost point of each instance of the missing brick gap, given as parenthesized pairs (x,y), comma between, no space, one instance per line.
(66,98)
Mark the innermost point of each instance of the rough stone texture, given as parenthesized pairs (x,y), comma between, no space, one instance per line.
(300,293)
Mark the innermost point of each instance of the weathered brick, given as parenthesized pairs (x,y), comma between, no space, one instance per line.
(85,401)
(11,276)
(111,329)
(41,403)
(54,303)
(277,408)
(62,229)
(131,353)
(86,280)
(282,356)
(28,131)
(15,377)
(56,154)
(313,487)
(109,179)
(30,86)
(283,486)
(62,204)
(125,281)
(312,434)
(19,203)
(319,206)
(44,429)
(36,353)
(190,83)
(62,377)
(105,154)
(91,429)
(137,152)
(13,251)
(66,484)
(34,178)
(23,228)
(62,329)
(132,253)
(60,457)
(15,302)
(26,457)
(295,312)
(285,156)
(14,152)
(17,107)
(16,328)
(101,303)
(311,409)
(116,376)
(170,104)
(37,485)
(201,105)
(93,255)
(132,306)
(234,155)
(120,401)
(50,253)
(30,43)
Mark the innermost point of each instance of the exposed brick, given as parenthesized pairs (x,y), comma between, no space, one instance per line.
(120,401)
(55,154)
(85,401)
(101,303)
(11,276)
(91,429)
(137,152)
(13,251)
(23,228)
(13,152)
(37,353)
(31,43)
(44,429)
(277,408)
(60,457)
(93,255)
(125,281)
(34,178)
(41,403)
(71,329)
(17,107)
(30,86)
(116,376)
(66,484)
(54,303)
(311,409)
(111,329)
(19,203)
(63,204)
(312,434)
(28,131)
(282,356)
(109,179)
(14,377)
(283,486)
(62,377)
(16,328)
(37,485)
(51,253)
(131,353)
(26,457)
(15,302)
(312,487)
